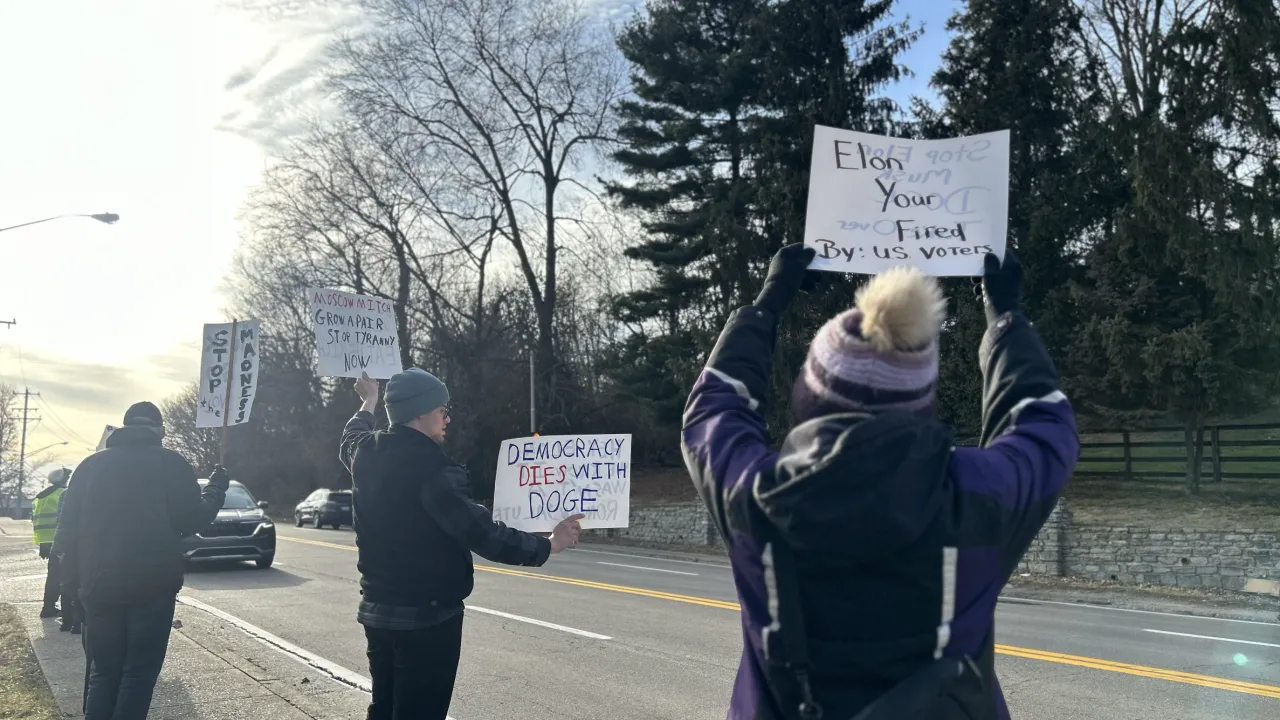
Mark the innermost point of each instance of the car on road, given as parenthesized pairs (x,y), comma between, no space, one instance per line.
(241,531)
(324,507)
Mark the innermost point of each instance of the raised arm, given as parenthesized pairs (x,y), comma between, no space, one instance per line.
(192,508)
(361,426)
(1029,443)
(724,439)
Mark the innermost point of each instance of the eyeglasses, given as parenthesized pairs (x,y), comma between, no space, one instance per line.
(447,409)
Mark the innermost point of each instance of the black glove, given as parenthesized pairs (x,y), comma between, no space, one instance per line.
(220,478)
(44,551)
(1001,284)
(788,274)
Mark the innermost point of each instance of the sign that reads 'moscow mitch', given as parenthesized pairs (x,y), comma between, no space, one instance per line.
(542,480)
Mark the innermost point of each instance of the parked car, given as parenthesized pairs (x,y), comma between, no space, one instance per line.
(241,531)
(324,507)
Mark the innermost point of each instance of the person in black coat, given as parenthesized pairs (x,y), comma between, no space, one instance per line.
(416,526)
(119,534)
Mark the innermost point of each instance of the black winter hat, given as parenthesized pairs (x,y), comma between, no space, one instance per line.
(144,413)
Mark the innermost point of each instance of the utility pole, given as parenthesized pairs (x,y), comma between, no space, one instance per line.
(22,452)
(9,323)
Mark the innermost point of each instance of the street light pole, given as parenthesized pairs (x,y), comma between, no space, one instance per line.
(108,218)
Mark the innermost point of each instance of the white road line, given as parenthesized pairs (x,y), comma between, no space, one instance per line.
(721,565)
(641,567)
(337,672)
(541,623)
(1184,616)
(1211,637)
(26,577)
(306,657)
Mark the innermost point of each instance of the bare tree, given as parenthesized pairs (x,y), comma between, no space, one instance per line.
(10,477)
(200,446)
(511,98)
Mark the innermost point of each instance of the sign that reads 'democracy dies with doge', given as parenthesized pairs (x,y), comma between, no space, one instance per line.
(877,202)
(354,334)
(543,480)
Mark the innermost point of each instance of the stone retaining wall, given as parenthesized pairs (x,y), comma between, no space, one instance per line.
(684,524)
(1239,560)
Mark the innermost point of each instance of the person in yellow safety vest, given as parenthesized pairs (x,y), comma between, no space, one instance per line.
(44,523)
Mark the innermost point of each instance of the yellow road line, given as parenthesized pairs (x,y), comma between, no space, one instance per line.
(1177,676)
(1142,671)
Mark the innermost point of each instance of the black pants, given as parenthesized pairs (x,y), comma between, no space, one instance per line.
(126,646)
(413,670)
(53,579)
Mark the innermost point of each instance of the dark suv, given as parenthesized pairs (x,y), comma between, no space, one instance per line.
(324,507)
(241,531)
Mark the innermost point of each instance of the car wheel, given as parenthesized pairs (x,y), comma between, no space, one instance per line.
(264,562)
(297,520)
(315,522)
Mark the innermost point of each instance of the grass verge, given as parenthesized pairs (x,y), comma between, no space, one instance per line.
(22,685)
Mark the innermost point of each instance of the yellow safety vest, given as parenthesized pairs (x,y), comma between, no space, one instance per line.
(44,516)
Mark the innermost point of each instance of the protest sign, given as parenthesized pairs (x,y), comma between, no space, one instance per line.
(228,372)
(877,202)
(106,433)
(354,334)
(543,480)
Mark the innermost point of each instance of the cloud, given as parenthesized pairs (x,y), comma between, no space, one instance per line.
(246,74)
(274,95)
(77,398)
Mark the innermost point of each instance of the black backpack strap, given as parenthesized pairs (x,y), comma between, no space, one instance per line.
(786,647)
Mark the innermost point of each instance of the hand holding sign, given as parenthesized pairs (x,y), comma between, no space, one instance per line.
(367,387)
(566,533)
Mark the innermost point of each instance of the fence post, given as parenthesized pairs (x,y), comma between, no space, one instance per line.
(1128,457)
(1216,435)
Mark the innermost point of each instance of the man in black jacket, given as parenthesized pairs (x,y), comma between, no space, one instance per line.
(119,534)
(416,527)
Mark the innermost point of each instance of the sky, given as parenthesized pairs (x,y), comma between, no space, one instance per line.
(164,112)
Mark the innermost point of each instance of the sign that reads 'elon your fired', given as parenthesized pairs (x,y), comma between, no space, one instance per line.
(876,202)
(543,480)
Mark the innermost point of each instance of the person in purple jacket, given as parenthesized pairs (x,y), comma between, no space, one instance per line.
(869,552)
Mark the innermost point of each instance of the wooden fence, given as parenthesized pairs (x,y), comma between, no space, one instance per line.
(1228,452)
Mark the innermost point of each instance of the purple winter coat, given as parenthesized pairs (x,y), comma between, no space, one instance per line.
(867,503)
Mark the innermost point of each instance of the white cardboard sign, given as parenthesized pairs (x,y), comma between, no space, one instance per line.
(542,480)
(877,202)
(354,334)
(220,373)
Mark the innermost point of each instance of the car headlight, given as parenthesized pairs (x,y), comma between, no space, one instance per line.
(266,525)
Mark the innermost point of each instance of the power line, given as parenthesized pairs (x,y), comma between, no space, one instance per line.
(48,407)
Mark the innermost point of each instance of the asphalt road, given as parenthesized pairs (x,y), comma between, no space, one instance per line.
(597,634)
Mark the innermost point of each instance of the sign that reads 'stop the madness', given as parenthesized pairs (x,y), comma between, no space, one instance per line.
(221,373)
(543,480)
(354,334)
(877,202)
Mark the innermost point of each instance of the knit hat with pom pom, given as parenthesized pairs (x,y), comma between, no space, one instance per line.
(881,356)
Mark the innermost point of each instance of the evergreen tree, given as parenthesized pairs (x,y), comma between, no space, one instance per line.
(719,136)
(1020,65)
(1180,293)
(686,158)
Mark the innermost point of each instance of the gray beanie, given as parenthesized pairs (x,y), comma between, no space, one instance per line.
(412,394)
